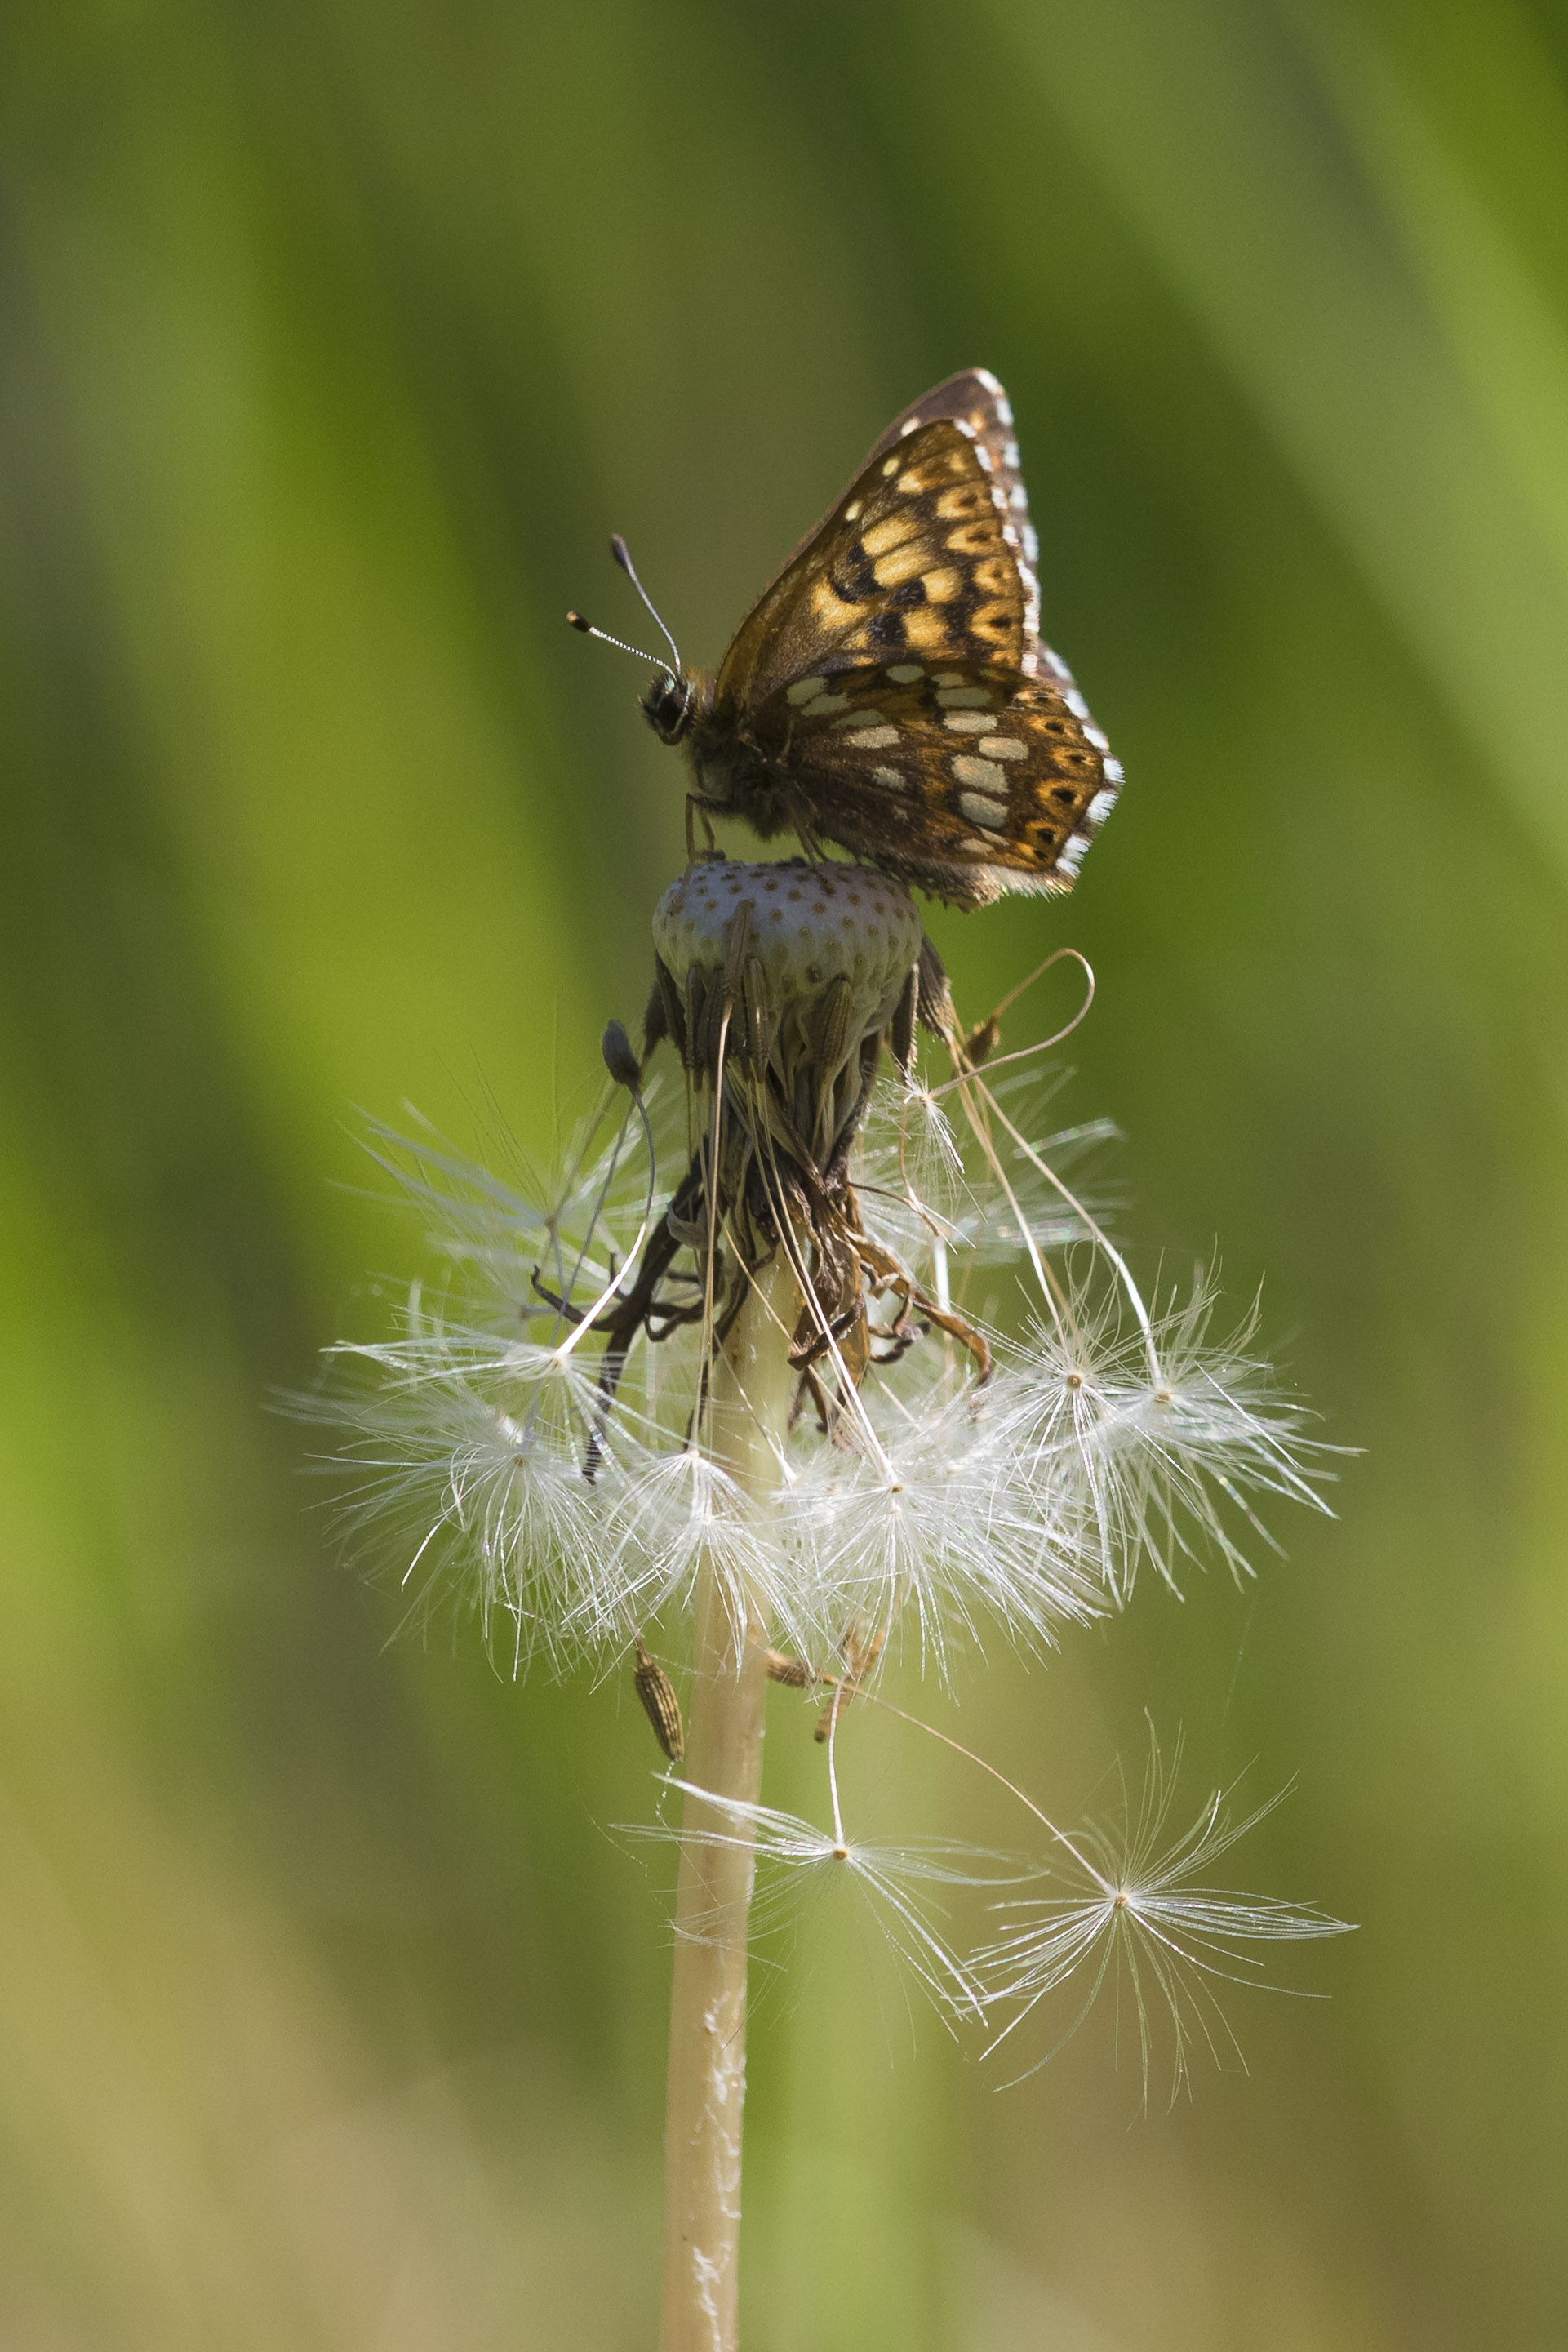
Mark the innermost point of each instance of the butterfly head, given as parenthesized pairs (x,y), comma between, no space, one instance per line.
(669,706)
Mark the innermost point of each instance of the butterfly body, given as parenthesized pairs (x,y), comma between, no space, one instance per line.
(889,691)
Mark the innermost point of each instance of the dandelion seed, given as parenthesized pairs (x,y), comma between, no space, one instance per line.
(477,1450)
(794,1858)
(1141,1440)
(945,1543)
(494,1232)
(656,1693)
(680,1514)
(1141,1913)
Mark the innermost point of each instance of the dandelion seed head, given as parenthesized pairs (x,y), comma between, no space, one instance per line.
(809,926)
(570,1434)
(554,1467)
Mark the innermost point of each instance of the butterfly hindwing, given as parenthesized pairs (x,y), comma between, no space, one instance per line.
(964,780)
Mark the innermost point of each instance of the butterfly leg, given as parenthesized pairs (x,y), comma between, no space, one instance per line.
(815,854)
(695,808)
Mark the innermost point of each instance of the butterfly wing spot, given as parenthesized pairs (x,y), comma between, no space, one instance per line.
(964,504)
(883,537)
(968,722)
(893,778)
(905,673)
(981,537)
(982,775)
(830,608)
(995,623)
(901,564)
(821,704)
(994,576)
(963,697)
(805,689)
(941,585)
(996,747)
(890,467)
(873,739)
(924,481)
(852,512)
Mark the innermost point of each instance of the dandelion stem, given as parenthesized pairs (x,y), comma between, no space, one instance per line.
(752,1388)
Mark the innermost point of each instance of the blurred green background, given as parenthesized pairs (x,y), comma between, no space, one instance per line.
(333,341)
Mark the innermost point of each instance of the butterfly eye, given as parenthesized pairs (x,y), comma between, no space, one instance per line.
(667,708)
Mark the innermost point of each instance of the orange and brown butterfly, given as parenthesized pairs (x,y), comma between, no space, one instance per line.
(889,690)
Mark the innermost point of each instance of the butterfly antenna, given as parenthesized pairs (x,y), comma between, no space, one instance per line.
(620,551)
(655,661)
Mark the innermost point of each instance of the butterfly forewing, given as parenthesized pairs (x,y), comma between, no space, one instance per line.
(915,559)
(977,400)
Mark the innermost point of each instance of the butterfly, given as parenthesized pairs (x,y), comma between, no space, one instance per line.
(889,690)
